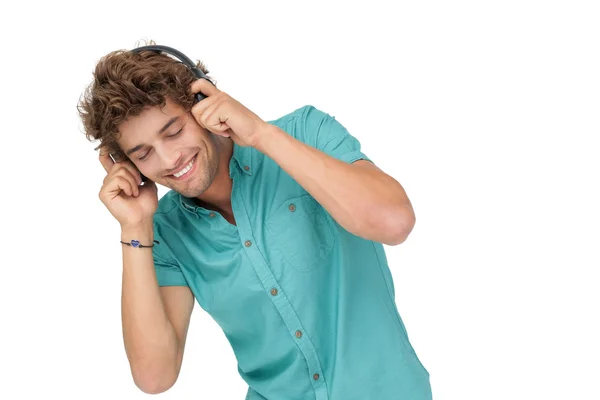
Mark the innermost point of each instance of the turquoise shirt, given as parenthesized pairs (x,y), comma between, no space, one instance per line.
(307,307)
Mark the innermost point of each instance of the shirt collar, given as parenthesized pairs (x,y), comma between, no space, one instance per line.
(243,156)
(242,160)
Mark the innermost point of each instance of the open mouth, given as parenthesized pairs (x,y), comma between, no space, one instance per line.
(186,171)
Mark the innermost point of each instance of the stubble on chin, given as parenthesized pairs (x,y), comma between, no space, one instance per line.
(205,176)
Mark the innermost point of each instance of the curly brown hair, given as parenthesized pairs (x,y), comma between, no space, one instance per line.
(124,84)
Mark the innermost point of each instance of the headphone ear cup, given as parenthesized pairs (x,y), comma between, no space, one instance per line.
(198,97)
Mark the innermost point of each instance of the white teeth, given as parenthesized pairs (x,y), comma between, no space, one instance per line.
(186,169)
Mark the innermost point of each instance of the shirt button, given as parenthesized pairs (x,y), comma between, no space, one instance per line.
(274,291)
(316,377)
(248,243)
(212,215)
(292,207)
(246,167)
(298,334)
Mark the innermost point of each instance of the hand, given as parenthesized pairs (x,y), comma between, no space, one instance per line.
(128,202)
(222,115)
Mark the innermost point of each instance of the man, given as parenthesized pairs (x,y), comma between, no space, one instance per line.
(274,227)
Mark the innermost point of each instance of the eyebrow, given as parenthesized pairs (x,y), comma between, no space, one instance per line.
(164,128)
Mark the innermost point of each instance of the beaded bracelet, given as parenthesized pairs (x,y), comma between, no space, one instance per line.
(136,243)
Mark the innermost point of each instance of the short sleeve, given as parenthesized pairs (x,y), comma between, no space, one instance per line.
(325,133)
(167,272)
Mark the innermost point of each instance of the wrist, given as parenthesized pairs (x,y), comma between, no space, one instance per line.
(143,232)
(266,137)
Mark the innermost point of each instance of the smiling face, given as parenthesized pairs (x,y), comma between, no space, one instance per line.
(169,147)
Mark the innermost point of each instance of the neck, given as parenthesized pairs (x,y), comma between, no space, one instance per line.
(218,195)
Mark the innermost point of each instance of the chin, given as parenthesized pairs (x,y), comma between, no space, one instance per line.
(204,174)
(195,186)
(192,192)
(189,189)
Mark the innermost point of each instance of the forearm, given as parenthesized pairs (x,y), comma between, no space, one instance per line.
(150,339)
(364,201)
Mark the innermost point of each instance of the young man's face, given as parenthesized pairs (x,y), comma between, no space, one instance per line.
(162,142)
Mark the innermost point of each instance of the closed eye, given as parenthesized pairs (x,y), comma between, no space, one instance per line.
(145,156)
(176,134)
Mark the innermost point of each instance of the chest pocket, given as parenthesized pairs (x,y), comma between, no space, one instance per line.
(299,231)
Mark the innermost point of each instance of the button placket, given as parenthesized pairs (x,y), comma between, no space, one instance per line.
(278,297)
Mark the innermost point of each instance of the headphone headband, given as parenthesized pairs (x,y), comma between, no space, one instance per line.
(181,57)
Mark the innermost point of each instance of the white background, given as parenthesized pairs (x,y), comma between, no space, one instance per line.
(486,112)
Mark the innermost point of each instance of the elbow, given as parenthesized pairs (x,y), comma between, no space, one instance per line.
(397,226)
(387,227)
(154,386)
(153,382)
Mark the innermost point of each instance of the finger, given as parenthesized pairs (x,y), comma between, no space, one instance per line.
(133,170)
(200,108)
(124,184)
(106,161)
(109,164)
(212,115)
(114,187)
(126,173)
(217,123)
(204,86)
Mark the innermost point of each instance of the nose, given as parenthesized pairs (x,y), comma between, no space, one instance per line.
(170,159)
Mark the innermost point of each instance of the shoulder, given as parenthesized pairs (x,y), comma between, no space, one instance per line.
(303,122)
(305,112)
(167,204)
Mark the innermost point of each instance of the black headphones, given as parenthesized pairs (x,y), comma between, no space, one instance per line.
(181,57)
